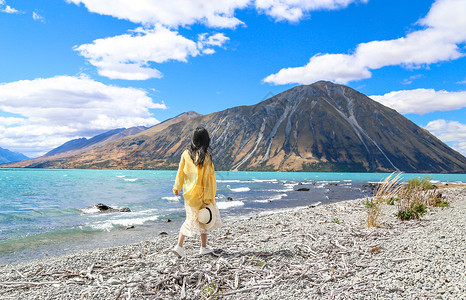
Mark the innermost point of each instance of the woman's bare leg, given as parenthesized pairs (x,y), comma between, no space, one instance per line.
(181,240)
(204,239)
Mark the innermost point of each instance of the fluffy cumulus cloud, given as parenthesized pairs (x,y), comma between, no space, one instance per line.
(130,56)
(422,101)
(171,13)
(452,132)
(7,9)
(444,28)
(48,112)
(219,13)
(295,10)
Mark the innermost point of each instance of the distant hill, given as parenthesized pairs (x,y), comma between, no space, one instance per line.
(84,144)
(318,127)
(77,146)
(7,156)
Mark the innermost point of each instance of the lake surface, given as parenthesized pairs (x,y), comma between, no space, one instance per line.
(46,212)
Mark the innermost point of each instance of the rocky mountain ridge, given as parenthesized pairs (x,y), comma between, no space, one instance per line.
(318,127)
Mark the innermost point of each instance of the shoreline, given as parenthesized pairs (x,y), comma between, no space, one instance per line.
(302,253)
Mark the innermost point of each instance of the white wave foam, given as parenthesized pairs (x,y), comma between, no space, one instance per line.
(288,187)
(90,210)
(121,176)
(172,198)
(130,179)
(231,181)
(265,180)
(225,205)
(110,224)
(273,198)
(278,197)
(240,189)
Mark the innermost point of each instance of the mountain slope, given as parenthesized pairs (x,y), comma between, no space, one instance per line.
(7,156)
(318,127)
(84,144)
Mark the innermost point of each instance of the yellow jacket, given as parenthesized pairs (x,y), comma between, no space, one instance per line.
(198,182)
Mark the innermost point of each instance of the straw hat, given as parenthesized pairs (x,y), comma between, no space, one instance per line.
(206,215)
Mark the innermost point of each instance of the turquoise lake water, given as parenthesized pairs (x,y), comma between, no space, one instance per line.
(47,212)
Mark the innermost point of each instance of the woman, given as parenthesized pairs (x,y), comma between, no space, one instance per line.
(196,176)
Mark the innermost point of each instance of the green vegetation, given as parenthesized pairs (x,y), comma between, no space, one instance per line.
(422,183)
(369,202)
(391,200)
(209,291)
(411,199)
(415,211)
(332,167)
(336,221)
(443,204)
(436,199)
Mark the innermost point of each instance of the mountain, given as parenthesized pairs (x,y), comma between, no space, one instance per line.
(7,156)
(84,144)
(76,147)
(318,127)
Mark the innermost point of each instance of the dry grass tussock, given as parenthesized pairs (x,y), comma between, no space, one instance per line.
(412,199)
(387,190)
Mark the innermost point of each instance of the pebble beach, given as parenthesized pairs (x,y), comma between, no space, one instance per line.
(313,252)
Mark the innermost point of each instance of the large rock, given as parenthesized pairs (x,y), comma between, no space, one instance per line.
(105,208)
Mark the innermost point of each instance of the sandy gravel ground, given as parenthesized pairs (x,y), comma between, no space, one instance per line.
(323,252)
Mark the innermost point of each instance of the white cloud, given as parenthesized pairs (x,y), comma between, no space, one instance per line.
(422,101)
(55,110)
(295,10)
(129,56)
(450,132)
(37,17)
(215,40)
(9,10)
(11,121)
(171,13)
(410,80)
(445,29)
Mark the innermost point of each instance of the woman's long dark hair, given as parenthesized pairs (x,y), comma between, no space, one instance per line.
(199,147)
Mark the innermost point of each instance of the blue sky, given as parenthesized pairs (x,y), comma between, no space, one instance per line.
(74,68)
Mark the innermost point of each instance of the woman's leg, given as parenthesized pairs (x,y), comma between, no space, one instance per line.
(180,239)
(203,239)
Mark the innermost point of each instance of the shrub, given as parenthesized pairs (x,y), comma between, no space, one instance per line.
(436,199)
(422,183)
(415,211)
(336,220)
